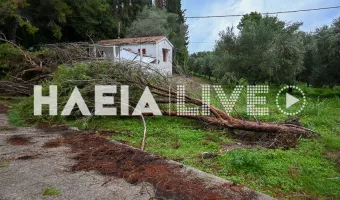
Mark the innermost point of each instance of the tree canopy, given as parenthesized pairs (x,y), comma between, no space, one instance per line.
(155,22)
(269,50)
(32,22)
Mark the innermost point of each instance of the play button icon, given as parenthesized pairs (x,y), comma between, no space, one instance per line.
(290,100)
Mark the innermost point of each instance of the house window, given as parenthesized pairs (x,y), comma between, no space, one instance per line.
(165,55)
(143,51)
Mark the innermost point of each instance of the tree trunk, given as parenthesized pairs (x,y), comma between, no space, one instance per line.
(222,119)
(12,29)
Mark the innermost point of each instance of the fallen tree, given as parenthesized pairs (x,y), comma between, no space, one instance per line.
(86,74)
(22,69)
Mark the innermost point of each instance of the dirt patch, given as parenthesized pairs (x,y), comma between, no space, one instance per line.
(335,157)
(27,157)
(3,109)
(96,153)
(229,147)
(294,121)
(6,128)
(19,140)
(53,143)
(60,140)
(51,127)
(107,133)
(268,140)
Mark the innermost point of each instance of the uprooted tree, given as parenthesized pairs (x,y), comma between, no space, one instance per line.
(86,73)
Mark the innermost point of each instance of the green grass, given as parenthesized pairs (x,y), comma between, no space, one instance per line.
(172,137)
(51,191)
(14,118)
(14,114)
(301,172)
(303,169)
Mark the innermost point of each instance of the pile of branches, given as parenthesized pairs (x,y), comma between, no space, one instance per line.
(33,68)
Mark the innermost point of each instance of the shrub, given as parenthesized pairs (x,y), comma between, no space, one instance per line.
(245,160)
(8,55)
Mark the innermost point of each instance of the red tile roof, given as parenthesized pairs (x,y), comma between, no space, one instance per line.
(140,40)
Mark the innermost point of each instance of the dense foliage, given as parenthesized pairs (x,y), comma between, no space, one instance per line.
(156,22)
(31,22)
(269,50)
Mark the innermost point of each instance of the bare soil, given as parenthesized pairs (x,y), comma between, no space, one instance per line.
(19,140)
(334,156)
(87,165)
(109,158)
(3,109)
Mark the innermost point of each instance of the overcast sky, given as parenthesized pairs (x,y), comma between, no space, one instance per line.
(203,32)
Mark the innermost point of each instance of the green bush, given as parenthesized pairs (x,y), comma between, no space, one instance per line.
(8,54)
(245,160)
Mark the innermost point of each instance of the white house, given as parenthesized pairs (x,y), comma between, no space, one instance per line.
(155,51)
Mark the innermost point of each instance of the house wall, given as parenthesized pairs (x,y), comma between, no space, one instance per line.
(156,50)
(109,52)
(164,66)
(152,50)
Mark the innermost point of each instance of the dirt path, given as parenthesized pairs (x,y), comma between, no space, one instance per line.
(89,166)
(27,170)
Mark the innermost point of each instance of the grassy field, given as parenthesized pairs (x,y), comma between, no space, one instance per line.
(311,170)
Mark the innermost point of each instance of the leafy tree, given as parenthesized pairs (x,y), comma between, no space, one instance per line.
(181,33)
(175,6)
(156,22)
(50,21)
(92,18)
(151,22)
(208,65)
(327,71)
(49,16)
(12,18)
(226,66)
(311,57)
(283,61)
(254,53)
(253,17)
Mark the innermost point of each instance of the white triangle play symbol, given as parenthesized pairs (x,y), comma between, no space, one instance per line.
(290,100)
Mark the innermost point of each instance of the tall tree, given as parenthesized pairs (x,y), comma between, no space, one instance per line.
(12,18)
(253,17)
(155,22)
(327,70)
(254,53)
(50,21)
(175,6)
(181,50)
